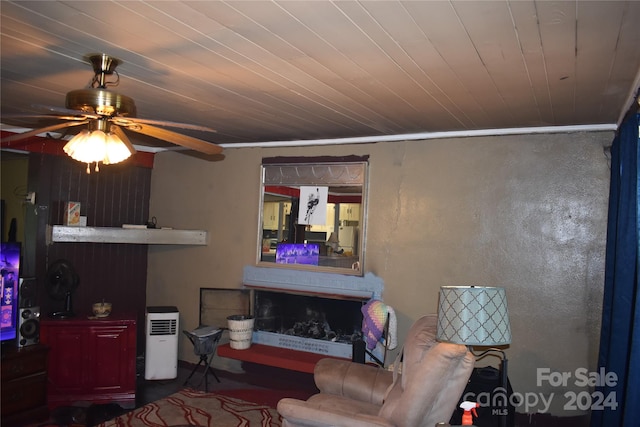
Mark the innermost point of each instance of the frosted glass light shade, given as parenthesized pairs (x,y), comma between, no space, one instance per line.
(115,150)
(97,146)
(473,315)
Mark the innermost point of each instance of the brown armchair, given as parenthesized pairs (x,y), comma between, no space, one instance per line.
(434,376)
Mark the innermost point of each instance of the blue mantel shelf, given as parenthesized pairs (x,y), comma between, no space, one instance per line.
(368,286)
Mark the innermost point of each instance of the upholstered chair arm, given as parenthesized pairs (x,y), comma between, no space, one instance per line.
(298,413)
(365,383)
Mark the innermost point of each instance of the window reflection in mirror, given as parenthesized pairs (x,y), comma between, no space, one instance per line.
(332,243)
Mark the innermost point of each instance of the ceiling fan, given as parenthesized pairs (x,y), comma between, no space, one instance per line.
(110,112)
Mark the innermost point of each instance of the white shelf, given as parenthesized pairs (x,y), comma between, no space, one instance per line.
(148,236)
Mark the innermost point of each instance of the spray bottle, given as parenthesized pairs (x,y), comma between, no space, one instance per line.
(469,412)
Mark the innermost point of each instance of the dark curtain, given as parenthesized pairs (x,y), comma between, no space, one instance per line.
(620,335)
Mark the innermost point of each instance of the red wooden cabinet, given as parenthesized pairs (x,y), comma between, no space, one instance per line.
(24,384)
(91,360)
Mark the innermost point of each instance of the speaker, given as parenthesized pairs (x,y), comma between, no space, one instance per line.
(28,326)
(27,293)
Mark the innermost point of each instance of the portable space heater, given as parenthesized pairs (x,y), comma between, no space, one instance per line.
(161,358)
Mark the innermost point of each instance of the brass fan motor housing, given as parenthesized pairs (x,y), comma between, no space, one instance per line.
(101,101)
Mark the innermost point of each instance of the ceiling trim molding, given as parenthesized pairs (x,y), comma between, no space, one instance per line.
(426,136)
(393,138)
(631,99)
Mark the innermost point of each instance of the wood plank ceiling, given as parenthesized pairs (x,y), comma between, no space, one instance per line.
(270,71)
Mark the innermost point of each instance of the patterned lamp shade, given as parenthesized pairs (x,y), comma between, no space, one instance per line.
(473,315)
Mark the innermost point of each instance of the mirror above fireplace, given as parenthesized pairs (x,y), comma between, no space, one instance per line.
(313,214)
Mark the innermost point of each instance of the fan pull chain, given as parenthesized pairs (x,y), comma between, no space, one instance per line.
(97,169)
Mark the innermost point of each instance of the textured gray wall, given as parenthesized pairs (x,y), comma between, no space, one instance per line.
(524,212)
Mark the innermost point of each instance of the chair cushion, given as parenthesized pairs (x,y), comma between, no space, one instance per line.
(325,410)
(433,378)
(342,404)
(353,380)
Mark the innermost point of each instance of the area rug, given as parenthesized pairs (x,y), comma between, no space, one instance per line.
(265,397)
(196,408)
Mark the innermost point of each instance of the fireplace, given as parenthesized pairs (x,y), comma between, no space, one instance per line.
(309,311)
(313,323)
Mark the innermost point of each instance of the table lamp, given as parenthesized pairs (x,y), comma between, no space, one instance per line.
(476,316)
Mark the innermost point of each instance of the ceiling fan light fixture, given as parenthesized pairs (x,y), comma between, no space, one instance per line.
(97,146)
(108,111)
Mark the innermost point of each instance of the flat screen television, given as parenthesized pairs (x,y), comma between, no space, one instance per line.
(297,253)
(10,285)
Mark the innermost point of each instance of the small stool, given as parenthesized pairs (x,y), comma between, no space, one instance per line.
(205,341)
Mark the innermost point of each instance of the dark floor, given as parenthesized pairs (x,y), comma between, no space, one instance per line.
(276,381)
(254,377)
(151,390)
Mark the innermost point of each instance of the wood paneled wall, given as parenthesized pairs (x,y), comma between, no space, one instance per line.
(116,195)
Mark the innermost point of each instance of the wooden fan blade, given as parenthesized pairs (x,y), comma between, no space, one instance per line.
(67,111)
(125,121)
(42,116)
(176,138)
(19,136)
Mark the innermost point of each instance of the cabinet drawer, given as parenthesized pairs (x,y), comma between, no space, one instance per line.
(28,363)
(24,393)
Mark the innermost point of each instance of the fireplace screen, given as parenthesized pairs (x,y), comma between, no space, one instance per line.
(329,319)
